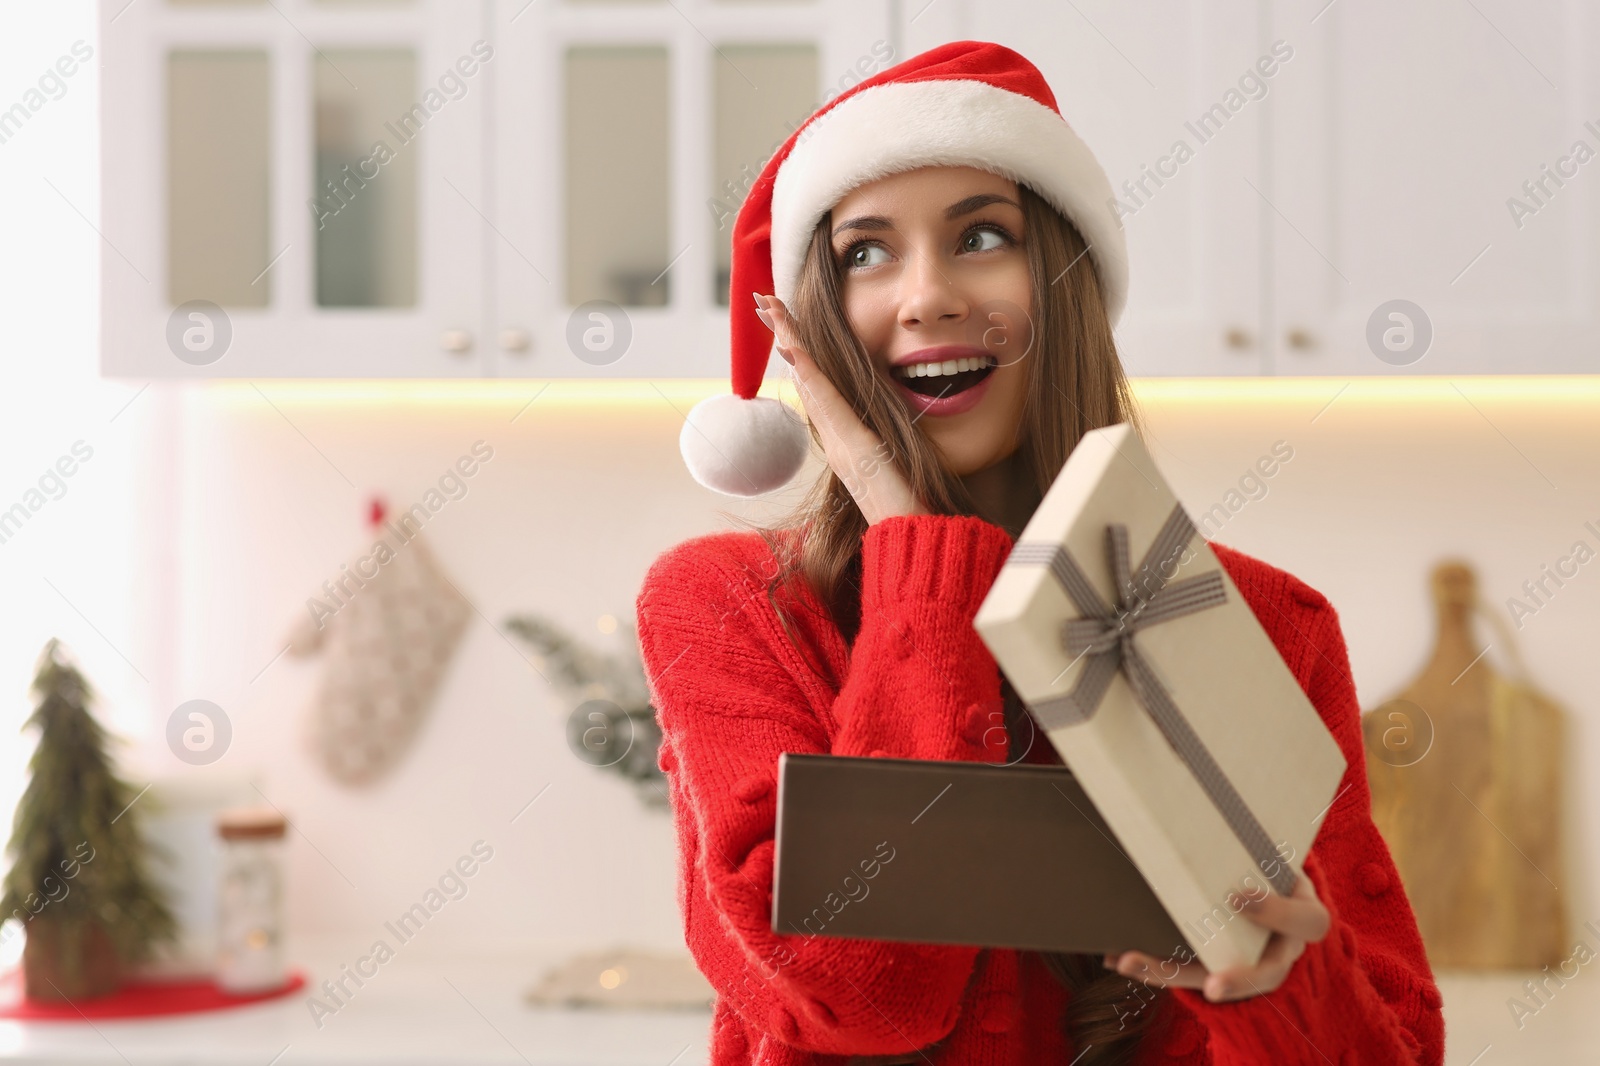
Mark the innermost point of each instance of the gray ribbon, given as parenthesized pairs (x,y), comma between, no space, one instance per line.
(1104,634)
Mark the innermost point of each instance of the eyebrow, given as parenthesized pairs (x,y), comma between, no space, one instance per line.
(951,213)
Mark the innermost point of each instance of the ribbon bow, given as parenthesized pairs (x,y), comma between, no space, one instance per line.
(1104,634)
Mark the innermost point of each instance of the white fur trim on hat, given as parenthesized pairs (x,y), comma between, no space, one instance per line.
(900,126)
(741,447)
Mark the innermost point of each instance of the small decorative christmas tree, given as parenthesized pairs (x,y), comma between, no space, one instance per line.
(77,879)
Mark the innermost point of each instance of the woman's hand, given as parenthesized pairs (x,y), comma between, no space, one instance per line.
(1295,921)
(857,455)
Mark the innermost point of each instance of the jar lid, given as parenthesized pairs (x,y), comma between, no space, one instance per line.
(245,823)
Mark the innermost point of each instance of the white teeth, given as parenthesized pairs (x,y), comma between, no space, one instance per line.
(949,366)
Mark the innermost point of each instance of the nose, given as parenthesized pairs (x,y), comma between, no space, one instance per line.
(929,295)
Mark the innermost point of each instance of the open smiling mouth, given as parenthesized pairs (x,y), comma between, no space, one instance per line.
(949,381)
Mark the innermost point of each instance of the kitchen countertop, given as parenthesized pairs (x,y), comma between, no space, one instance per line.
(447,1011)
(415,1011)
(1480,1029)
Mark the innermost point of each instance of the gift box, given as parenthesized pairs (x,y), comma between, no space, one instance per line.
(1149,673)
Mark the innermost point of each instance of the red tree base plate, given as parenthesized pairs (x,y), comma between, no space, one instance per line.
(135,999)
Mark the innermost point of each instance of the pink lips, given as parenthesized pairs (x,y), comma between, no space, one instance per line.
(946,405)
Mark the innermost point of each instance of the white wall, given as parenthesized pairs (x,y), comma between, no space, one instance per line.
(71,569)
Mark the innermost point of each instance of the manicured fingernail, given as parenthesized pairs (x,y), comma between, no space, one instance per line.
(767,319)
(786,356)
(759,305)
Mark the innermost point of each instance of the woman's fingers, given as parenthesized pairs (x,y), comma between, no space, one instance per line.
(845,438)
(1242,983)
(1267,974)
(856,454)
(822,400)
(1158,973)
(1299,914)
(1290,917)
(778,315)
(832,411)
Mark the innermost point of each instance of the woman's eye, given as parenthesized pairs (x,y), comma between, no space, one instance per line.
(861,255)
(977,236)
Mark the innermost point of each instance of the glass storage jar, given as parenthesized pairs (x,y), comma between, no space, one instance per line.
(250,900)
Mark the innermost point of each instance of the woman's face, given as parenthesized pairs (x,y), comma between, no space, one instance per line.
(934,275)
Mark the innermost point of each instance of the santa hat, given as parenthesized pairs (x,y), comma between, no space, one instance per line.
(966,103)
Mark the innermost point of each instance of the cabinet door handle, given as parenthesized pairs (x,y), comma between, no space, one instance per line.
(513,339)
(456,341)
(1238,338)
(1300,339)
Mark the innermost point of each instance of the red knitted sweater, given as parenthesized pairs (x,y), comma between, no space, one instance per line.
(731,692)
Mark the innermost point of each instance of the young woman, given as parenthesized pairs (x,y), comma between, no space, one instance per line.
(901,239)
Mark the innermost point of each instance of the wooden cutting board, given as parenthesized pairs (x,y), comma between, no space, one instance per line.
(1466,769)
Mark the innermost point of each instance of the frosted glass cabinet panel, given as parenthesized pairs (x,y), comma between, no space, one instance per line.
(219,127)
(616,150)
(760,95)
(365,181)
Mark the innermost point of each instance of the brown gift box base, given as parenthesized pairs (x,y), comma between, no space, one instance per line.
(950,852)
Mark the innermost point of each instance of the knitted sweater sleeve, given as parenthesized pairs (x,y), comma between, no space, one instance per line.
(727,687)
(1364,993)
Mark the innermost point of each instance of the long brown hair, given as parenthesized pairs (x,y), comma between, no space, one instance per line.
(1075,383)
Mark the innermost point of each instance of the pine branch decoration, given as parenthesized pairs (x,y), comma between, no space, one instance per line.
(579,670)
(631,747)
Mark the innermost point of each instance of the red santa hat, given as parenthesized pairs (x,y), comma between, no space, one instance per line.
(966,103)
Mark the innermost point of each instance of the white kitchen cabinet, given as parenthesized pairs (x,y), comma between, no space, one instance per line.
(1375,164)
(1400,146)
(444,188)
(223,125)
(1286,172)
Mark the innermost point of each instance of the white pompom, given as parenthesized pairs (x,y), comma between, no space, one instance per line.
(741,447)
